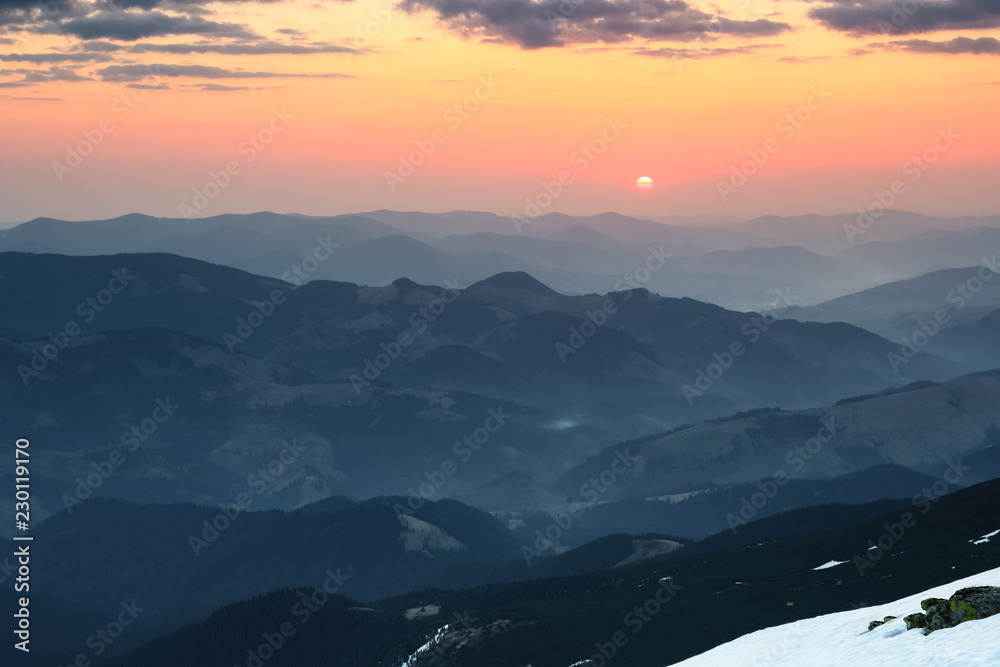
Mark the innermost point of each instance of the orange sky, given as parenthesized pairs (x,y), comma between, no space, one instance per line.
(687,122)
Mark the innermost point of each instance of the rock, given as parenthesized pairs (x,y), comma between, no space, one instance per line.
(875,624)
(938,619)
(973,603)
(932,602)
(966,604)
(915,621)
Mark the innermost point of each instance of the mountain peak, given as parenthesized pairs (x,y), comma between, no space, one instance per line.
(514,280)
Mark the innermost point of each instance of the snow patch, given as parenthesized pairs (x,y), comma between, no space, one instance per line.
(674,498)
(436,639)
(422,612)
(190,283)
(643,550)
(841,639)
(985,538)
(422,536)
(828,565)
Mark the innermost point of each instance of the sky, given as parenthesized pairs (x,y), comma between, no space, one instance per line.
(736,108)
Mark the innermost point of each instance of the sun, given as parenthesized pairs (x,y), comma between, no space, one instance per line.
(644,183)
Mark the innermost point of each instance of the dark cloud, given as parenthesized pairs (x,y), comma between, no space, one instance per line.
(979,47)
(696,53)
(888,17)
(128,27)
(13,84)
(33,12)
(43,5)
(42,75)
(55,74)
(139,72)
(38,58)
(23,10)
(218,87)
(148,86)
(99,46)
(139,4)
(181,5)
(801,59)
(244,49)
(540,23)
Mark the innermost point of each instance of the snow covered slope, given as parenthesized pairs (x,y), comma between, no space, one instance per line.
(843,639)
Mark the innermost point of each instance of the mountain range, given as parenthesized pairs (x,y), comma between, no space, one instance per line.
(503,376)
(736,265)
(658,605)
(465,439)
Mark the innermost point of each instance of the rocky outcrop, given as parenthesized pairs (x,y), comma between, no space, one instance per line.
(875,624)
(966,604)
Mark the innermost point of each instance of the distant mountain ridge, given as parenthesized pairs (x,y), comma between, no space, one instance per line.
(379,384)
(929,428)
(895,309)
(952,313)
(461,440)
(572,254)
